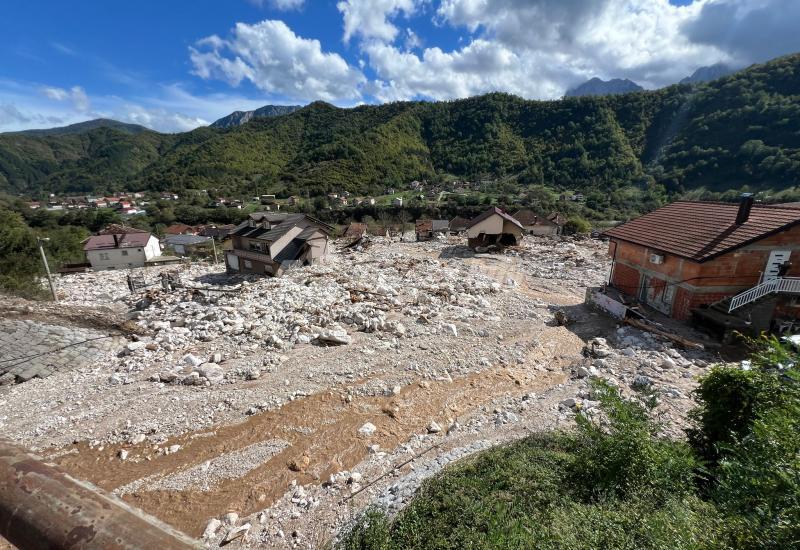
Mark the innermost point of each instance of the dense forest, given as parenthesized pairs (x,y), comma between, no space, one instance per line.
(741,131)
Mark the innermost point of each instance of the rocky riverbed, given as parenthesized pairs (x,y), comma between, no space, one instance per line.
(294,403)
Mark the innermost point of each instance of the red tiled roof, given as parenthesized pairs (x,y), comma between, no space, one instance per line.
(703,230)
(178,228)
(127,240)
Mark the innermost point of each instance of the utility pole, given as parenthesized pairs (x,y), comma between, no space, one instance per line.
(39,241)
(214,246)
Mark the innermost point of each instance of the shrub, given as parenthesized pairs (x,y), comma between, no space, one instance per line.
(577,226)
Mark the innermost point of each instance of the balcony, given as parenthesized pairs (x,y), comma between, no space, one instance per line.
(250,255)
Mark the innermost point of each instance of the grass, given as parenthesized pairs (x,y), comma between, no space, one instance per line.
(614,483)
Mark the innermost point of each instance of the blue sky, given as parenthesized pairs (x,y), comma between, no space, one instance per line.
(175,65)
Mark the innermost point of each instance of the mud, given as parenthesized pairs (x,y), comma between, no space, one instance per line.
(322,432)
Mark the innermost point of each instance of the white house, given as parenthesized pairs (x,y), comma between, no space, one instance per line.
(121,250)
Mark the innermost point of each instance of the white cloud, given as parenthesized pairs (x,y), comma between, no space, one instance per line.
(277,61)
(750,30)
(284,5)
(76,95)
(370,18)
(168,108)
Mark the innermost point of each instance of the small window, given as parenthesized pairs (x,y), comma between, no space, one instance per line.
(248,264)
(104,255)
(124,252)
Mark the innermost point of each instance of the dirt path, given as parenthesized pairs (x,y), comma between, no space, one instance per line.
(321,433)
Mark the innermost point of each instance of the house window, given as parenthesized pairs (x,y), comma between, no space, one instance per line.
(248,264)
(104,255)
(124,252)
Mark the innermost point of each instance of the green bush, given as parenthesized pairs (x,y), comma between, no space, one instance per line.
(748,428)
(577,226)
(623,457)
(610,485)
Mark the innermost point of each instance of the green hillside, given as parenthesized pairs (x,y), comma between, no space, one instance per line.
(741,130)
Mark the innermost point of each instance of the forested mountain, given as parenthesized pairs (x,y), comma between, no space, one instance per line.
(596,86)
(743,129)
(82,127)
(237,118)
(705,74)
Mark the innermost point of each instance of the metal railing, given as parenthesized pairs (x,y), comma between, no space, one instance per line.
(780,285)
(251,255)
(42,506)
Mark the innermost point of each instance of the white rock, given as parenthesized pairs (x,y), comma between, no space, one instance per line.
(367,429)
(231,518)
(123,454)
(174,448)
(212,527)
(138,438)
(434,428)
(451,328)
(337,337)
(211,371)
(192,360)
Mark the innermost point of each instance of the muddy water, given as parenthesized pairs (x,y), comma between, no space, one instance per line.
(322,432)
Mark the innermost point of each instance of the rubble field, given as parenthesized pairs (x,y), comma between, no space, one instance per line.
(271,412)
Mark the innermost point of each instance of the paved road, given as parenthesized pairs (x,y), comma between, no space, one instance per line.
(30,349)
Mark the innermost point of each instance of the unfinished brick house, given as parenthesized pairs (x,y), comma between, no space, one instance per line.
(730,266)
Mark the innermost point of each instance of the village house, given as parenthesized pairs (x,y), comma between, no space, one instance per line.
(458,225)
(120,247)
(268,243)
(427,229)
(540,225)
(493,228)
(397,201)
(730,266)
(183,245)
(218,232)
(180,229)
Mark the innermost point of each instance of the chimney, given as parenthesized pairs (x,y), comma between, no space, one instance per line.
(745,205)
(116,240)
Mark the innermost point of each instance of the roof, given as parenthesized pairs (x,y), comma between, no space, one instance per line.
(118,229)
(525,217)
(178,228)
(125,240)
(701,231)
(491,212)
(458,223)
(356,230)
(271,217)
(440,225)
(186,240)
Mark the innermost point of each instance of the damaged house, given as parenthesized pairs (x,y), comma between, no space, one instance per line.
(540,225)
(269,242)
(427,229)
(494,228)
(728,266)
(120,247)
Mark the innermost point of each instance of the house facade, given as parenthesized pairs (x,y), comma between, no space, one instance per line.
(426,229)
(692,258)
(494,227)
(539,225)
(121,250)
(268,243)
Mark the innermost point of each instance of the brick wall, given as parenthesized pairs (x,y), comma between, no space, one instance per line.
(626,279)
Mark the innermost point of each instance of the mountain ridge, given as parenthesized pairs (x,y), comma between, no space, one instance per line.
(81,127)
(680,137)
(598,87)
(237,118)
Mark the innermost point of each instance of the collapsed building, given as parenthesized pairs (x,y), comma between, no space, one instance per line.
(494,228)
(268,243)
(428,229)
